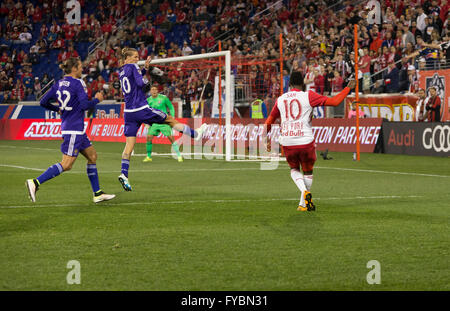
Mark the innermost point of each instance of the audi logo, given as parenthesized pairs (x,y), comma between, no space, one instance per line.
(437,138)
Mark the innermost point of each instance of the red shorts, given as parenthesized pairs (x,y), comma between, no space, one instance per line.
(304,155)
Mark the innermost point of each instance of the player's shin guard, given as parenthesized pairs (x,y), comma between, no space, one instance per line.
(125,167)
(50,173)
(92,173)
(149,149)
(188,131)
(308,180)
(297,177)
(176,148)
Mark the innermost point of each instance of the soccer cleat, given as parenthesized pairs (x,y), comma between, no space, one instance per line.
(124,182)
(308,202)
(32,188)
(147,159)
(301,208)
(180,159)
(101,196)
(200,131)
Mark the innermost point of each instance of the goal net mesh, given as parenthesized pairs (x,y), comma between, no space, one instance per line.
(193,87)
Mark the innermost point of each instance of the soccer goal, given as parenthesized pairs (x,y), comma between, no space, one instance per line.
(209,88)
(192,82)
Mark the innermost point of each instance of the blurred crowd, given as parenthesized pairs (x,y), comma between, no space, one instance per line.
(397,39)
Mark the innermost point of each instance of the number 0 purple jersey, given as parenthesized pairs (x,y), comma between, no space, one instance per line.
(132,81)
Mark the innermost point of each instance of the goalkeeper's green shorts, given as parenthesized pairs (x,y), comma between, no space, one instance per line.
(155,129)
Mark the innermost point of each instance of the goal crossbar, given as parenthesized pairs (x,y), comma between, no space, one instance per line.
(227,55)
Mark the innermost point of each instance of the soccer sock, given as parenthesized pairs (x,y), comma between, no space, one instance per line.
(92,173)
(176,148)
(50,173)
(188,131)
(308,179)
(297,177)
(125,166)
(149,149)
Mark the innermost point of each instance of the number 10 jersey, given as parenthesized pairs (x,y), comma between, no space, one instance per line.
(295,108)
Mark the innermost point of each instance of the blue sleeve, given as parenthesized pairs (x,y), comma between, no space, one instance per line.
(45,100)
(264,109)
(140,80)
(83,99)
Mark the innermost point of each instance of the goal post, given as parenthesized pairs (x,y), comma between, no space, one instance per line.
(227,55)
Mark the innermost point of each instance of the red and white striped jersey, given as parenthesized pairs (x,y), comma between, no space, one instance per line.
(295,108)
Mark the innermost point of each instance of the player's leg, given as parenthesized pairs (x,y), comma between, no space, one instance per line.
(167,131)
(293,160)
(132,125)
(152,132)
(307,159)
(149,147)
(91,169)
(185,129)
(51,172)
(126,155)
(70,153)
(175,147)
(308,179)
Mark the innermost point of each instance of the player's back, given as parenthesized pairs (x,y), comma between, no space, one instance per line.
(296,114)
(131,81)
(68,91)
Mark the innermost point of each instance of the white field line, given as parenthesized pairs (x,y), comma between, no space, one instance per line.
(214,201)
(23,167)
(137,171)
(382,172)
(232,169)
(56,150)
(228,169)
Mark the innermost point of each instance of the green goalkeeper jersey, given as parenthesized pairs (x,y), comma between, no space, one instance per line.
(161,102)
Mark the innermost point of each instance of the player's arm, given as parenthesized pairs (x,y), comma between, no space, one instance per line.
(84,101)
(274,115)
(169,106)
(50,95)
(318,100)
(139,79)
(146,66)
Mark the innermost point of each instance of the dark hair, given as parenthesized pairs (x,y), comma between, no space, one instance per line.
(296,79)
(69,64)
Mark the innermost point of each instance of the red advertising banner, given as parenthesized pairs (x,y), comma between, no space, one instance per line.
(112,130)
(439,79)
(333,134)
(340,134)
(30,129)
(390,107)
(49,129)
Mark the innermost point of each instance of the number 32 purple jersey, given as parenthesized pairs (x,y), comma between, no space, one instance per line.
(73,102)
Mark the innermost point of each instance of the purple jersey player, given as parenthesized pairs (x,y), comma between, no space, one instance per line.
(137,111)
(70,92)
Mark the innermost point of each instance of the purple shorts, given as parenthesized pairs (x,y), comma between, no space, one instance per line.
(74,143)
(133,120)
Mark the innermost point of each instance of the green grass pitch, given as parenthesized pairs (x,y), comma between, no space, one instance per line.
(212,225)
